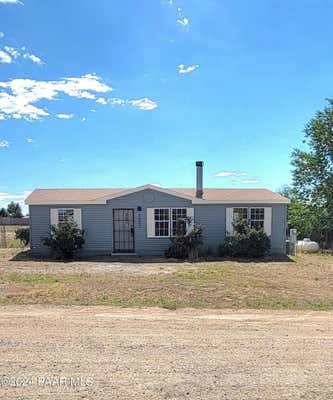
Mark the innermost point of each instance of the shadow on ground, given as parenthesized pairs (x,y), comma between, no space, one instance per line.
(27,255)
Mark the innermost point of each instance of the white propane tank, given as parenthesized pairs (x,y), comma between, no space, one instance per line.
(300,245)
(307,245)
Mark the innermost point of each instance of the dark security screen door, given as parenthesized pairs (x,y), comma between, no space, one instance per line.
(123,230)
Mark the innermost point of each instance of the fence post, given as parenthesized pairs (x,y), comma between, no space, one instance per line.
(293,241)
(3,242)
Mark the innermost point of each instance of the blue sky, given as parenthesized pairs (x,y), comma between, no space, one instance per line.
(114,93)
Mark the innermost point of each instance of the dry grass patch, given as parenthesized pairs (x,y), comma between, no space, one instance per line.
(11,242)
(306,282)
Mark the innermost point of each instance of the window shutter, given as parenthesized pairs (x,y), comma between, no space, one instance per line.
(78,217)
(268,221)
(190,213)
(229,216)
(150,222)
(54,216)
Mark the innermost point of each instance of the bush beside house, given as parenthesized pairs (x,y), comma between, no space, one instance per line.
(246,242)
(65,240)
(23,235)
(185,245)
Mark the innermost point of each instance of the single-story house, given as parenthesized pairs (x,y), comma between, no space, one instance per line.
(141,220)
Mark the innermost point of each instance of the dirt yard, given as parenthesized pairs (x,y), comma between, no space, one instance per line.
(114,353)
(16,260)
(303,282)
(62,338)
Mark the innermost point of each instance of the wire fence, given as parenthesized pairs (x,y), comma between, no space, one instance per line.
(8,226)
(8,221)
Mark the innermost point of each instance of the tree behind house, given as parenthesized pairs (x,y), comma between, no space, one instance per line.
(313,172)
(3,212)
(14,210)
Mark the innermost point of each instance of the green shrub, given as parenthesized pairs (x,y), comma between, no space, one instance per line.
(23,235)
(64,240)
(185,245)
(246,242)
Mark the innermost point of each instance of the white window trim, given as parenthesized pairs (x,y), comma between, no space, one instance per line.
(154,230)
(171,220)
(151,223)
(249,215)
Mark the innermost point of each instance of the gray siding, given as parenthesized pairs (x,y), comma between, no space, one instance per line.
(148,199)
(213,219)
(279,228)
(39,227)
(97,223)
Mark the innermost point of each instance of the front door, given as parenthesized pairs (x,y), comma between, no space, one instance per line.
(123,230)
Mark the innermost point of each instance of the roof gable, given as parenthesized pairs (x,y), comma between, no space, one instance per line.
(126,192)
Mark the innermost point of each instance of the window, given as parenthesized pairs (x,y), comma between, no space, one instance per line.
(166,222)
(61,215)
(161,216)
(65,214)
(179,221)
(240,214)
(257,218)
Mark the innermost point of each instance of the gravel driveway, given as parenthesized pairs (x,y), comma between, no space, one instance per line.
(114,353)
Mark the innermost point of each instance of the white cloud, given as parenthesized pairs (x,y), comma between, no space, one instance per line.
(185,70)
(1,35)
(143,104)
(65,116)
(11,2)
(12,51)
(8,196)
(83,119)
(5,57)
(117,102)
(251,181)
(30,140)
(4,143)
(229,173)
(32,57)
(183,21)
(9,53)
(101,100)
(93,110)
(19,96)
